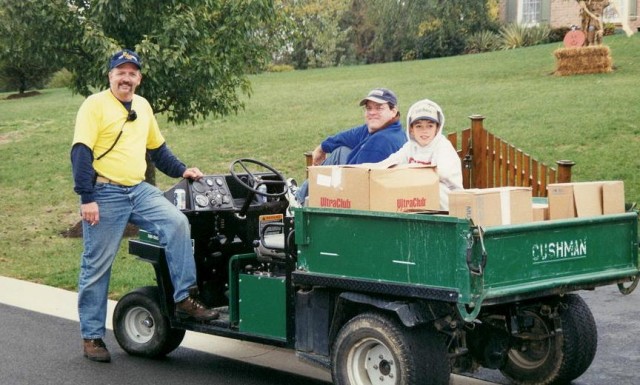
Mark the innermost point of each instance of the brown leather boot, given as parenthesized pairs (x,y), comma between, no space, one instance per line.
(192,307)
(96,350)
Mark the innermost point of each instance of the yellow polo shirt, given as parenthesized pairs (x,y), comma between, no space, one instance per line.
(98,123)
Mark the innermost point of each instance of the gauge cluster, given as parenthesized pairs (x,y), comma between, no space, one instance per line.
(210,192)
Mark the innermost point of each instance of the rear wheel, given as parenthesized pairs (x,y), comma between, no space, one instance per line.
(545,355)
(375,349)
(140,327)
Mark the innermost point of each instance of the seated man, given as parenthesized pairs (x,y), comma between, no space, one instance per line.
(380,136)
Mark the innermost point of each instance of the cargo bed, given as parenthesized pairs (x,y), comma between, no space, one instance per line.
(446,258)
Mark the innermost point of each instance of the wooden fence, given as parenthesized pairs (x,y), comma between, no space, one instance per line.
(488,161)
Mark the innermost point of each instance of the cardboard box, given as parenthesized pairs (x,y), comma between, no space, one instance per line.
(561,201)
(405,188)
(492,206)
(585,199)
(339,187)
(540,211)
(588,199)
(613,197)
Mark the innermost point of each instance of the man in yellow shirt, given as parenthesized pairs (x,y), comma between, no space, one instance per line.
(114,131)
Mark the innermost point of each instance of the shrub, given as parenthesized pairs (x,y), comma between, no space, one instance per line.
(518,35)
(483,41)
(538,35)
(557,34)
(279,68)
(609,29)
(409,55)
(512,36)
(61,79)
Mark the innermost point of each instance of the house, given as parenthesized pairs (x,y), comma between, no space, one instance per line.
(564,13)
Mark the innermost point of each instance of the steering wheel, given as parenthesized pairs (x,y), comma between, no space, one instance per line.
(253,181)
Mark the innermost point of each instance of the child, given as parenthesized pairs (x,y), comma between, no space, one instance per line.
(427,145)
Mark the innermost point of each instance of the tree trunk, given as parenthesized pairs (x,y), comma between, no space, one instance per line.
(150,173)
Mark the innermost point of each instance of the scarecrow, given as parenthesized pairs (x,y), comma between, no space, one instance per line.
(591,13)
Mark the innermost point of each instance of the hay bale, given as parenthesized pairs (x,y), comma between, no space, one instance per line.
(583,60)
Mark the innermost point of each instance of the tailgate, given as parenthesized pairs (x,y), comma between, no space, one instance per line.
(571,253)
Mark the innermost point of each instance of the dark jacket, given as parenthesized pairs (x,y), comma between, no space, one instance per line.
(366,147)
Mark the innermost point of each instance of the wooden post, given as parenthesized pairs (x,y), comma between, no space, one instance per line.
(466,154)
(478,152)
(564,170)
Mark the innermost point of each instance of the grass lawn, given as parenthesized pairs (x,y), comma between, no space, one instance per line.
(593,120)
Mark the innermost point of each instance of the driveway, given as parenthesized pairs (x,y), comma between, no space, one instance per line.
(41,343)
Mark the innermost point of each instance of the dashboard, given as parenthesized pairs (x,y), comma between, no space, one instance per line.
(212,193)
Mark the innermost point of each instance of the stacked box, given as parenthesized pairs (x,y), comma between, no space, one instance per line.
(339,187)
(585,199)
(404,188)
(540,212)
(492,206)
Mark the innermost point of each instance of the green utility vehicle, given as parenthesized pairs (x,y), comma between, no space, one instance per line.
(383,298)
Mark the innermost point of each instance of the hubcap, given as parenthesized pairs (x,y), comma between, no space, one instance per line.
(533,353)
(139,325)
(370,362)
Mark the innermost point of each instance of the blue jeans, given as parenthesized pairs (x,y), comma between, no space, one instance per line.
(337,157)
(145,206)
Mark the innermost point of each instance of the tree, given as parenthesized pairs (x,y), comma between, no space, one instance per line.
(448,23)
(24,63)
(317,35)
(21,76)
(196,53)
(396,28)
(388,30)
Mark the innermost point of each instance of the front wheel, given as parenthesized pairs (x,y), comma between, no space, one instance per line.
(375,349)
(554,349)
(140,327)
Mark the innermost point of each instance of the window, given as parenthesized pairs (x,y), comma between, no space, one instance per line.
(528,12)
(531,12)
(613,13)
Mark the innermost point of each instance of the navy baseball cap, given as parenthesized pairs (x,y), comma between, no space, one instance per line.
(380,95)
(124,56)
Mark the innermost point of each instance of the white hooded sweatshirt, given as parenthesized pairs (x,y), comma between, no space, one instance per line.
(439,152)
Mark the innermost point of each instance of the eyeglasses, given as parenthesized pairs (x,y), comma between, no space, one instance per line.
(376,108)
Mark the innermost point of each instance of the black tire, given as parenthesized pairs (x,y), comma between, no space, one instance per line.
(141,328)
(562,357)
(400,356)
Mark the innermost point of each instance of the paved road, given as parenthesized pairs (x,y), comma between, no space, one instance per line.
(40,345)
(39,349)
